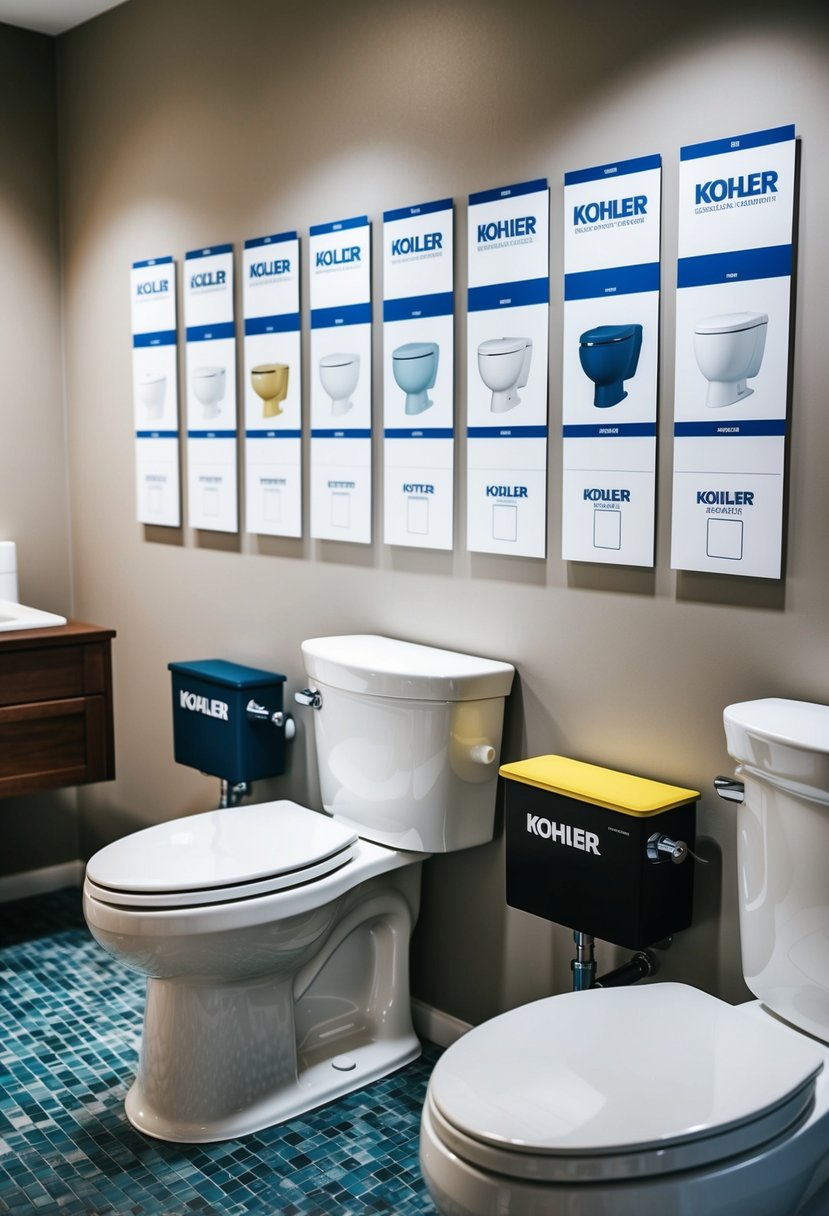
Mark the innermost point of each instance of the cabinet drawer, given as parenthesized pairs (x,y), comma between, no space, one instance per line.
(49,674)
(52,744)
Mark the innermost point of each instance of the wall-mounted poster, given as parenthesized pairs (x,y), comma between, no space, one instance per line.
(211,389)
(734,278)
(273,386)
(155,391)
(611,346)
(508,302)
(341,380)
(418,375)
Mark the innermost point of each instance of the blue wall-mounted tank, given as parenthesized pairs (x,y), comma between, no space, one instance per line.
(228,719)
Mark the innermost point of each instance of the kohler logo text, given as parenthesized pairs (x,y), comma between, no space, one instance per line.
(563,833)
(203,705)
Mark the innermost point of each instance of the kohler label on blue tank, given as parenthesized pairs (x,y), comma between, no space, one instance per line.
(155,391)
(737,200)
(272,385)
(508,298)
(611,348)
(418,375)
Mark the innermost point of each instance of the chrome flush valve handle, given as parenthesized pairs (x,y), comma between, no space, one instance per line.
(309,696)
(730,788)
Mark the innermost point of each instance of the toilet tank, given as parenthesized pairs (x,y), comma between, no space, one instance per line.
(408,739)
(782,748)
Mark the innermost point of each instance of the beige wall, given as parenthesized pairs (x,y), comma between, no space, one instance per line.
(194,122)
(34,499)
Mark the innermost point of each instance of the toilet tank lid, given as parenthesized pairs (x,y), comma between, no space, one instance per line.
(799,724)
(602,335)
(385,667)
(599,786)
(503,346)
(415,350)
(730,322)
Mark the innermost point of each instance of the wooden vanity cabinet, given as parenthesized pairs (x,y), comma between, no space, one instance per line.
(55,708)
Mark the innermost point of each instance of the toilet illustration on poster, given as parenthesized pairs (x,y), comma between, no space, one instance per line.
(609,355)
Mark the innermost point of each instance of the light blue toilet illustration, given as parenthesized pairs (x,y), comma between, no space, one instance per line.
(415,367)
(609,355)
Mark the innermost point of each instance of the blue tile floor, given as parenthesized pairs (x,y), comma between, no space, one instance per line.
(70,1023)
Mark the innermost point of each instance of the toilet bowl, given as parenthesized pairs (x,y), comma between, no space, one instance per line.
(729,351)
(152,388)
(504,364)
(275,938)
(270,382)
(415,367)
(209,386)
(649,1101)
(339,375)
(609,355)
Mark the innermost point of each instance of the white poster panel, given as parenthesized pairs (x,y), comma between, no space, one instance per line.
(155,391)
(211,389)
(341,380)
(736,215)
(611,347)
(272,386)
(508,303)
(418,375)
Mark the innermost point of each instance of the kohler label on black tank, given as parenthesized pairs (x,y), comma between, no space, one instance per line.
(586,867)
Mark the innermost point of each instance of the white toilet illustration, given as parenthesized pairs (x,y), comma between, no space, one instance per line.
(339,374)
(209,387)
(504,364)
(152,389)
(729,351)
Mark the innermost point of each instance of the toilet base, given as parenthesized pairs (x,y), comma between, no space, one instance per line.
(272,408)
(164,1106)
(721,393)
(224,1057)
(341,405)
(416,403)
(606,395)
(503,400)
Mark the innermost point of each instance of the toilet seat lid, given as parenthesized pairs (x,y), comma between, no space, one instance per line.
(338,360)
(603,335)
(207,372)
(503,346)
(618,1083)
(415,350)
(225,854)
(730,322)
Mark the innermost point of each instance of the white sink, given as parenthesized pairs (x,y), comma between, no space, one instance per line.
(20,616)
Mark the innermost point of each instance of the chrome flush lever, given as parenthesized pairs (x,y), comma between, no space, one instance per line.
(309,696)
(730,788)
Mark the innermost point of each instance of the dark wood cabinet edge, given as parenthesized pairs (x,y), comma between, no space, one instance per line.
(57,635)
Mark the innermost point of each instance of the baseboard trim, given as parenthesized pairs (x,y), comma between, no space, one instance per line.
(437,1026)
(42,881)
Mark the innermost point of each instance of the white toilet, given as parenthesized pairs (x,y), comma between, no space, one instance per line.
(504,364)
(663,1100)
(209,386)
(729,351)
(152,388)
(275,938)
(339,374)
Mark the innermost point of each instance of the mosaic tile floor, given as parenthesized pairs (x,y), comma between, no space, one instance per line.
(70,1022)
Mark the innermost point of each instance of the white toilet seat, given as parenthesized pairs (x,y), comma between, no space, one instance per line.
(221,855)
(620,1084)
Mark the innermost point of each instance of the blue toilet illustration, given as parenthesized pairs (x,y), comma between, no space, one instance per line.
(415,368)
(609,355)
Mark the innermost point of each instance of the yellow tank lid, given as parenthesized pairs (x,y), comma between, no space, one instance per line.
(602,786)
